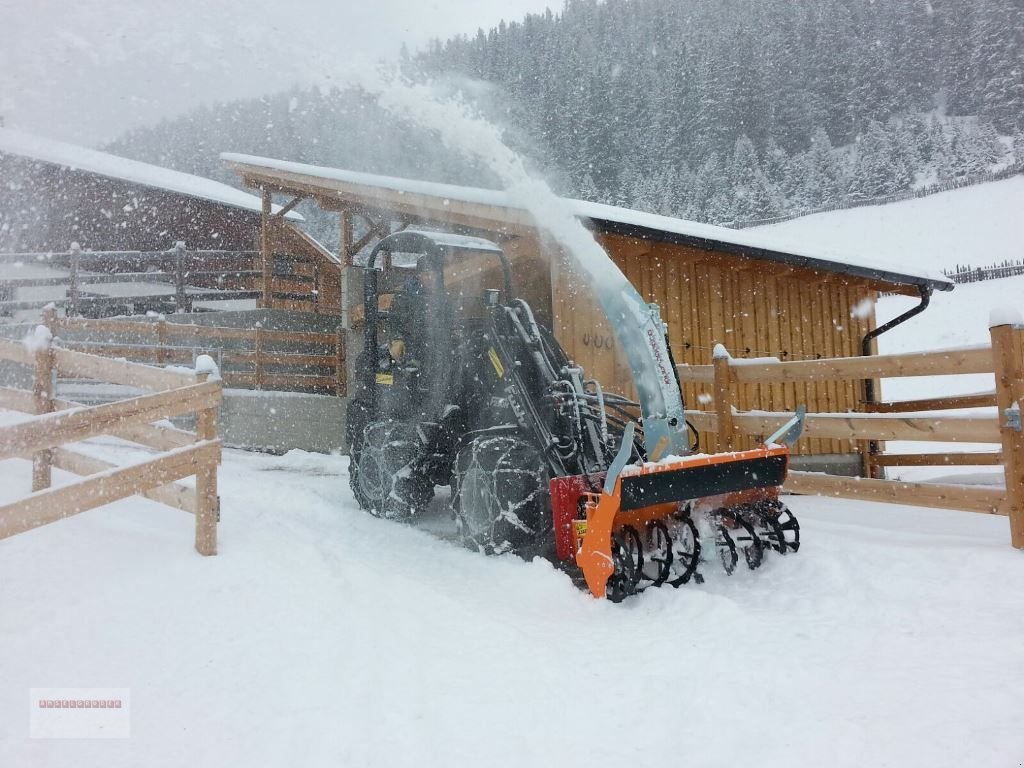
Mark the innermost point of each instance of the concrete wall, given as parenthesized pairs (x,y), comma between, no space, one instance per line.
(280,421)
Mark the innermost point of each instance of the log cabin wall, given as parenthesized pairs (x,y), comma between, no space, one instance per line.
(755,308)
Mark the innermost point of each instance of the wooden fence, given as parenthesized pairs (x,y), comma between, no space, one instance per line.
(249,358)
(908,420)
(56,423)
(195,275)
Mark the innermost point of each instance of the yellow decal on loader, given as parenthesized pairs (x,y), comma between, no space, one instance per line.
(385,378)
(496,362)
(580,527)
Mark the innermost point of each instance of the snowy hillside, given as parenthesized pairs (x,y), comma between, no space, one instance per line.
(977,225)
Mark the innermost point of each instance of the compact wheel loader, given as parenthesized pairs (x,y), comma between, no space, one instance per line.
(465,388)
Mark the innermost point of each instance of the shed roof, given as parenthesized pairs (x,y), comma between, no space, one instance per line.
(74,157)
(500,208)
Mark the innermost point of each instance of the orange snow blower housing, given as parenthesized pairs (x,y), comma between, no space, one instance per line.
(604,531)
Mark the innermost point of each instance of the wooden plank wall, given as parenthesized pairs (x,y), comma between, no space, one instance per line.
(755,308)
(313,268)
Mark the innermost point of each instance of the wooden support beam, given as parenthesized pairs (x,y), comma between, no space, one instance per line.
(339,364)
(943,362)
(969,498)
(74,260)
(207,500)
(173,494)
(16,352)
(286,209)
(345,251)
(934,404)
(54,504)
(258,358)
(42,401)
(80,365)
(266,252)
(937,459)
(722,392)
(856,426)
(1008,353)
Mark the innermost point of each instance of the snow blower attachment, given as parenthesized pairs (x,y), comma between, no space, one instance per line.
(461,386)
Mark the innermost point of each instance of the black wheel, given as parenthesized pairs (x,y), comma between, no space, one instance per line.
(632,548)
(659,553)
(748,542)
(787,528)
(726,548)
(357,415)
(685,551)
(386,471)
(500,496)
(622,583)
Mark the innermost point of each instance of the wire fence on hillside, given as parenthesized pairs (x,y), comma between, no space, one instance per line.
(969,274)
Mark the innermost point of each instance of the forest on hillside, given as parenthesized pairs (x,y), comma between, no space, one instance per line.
(729,112)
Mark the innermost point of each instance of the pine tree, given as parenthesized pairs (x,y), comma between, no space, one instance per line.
(1018,147)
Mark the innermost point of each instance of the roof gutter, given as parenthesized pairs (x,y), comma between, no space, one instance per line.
(865,348)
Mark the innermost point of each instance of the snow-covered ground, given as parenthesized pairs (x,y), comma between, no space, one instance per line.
(320,636)
(977,225)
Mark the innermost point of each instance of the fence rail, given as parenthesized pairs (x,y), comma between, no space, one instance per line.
(913,420)
(253,358)
(56,423)
(206,276)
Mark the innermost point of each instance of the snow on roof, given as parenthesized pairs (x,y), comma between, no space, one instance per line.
(753,243)
(74,157)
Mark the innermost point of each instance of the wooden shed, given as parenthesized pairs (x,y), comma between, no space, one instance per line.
(54,194)
(747,291)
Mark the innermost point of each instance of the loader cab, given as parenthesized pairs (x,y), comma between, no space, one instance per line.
(422,291)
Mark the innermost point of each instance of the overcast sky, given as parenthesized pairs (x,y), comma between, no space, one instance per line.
(85,70)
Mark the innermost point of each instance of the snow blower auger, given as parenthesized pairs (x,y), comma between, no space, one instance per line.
(460,385)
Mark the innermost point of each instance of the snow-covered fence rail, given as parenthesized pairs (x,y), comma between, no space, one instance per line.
(55,423)
(204,275)
(913,420)
(251,358)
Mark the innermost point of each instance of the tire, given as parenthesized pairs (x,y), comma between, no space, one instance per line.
(357,415)
(386,472)
(500,496)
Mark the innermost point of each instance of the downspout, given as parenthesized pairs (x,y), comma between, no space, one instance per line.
(865,347)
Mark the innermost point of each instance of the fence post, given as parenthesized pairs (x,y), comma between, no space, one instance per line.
(42,400)
(339,363)
(266,256)
(180,298)
(207,500)
(161,340)
(1007,354)
(76,253)
(316,287)
(258,357)
(723,398)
